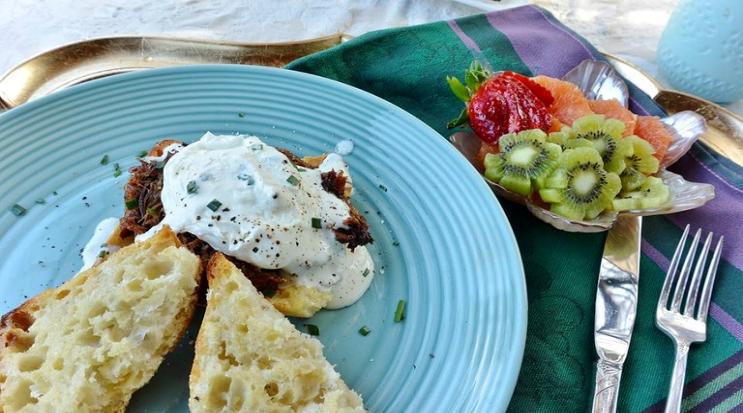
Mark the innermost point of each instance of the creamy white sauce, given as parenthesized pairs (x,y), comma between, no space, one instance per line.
(97,242)
(344,147)
(247,200)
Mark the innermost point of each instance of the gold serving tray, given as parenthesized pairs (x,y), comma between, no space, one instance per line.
(91,59)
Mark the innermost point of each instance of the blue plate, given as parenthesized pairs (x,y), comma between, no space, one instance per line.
(442,241)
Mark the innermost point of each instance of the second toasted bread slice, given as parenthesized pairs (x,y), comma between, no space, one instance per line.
(250,358)
(87,345)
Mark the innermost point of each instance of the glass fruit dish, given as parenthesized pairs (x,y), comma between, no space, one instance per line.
(598,82)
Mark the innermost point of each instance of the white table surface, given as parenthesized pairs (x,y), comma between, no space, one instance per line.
(629,28)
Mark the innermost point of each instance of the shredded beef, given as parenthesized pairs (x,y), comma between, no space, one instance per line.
(263,280)
(356,233)
(296,160)
(334,183)
(144,186)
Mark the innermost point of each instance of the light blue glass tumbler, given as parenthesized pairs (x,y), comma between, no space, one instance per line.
(701,49)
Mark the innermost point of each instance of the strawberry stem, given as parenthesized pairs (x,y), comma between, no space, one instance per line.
(458,88)
(474,77)
(461,120)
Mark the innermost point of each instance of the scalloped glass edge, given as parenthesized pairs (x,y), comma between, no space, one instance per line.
(598,80)
(684,195)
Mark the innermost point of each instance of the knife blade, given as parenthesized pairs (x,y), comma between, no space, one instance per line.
(616,308)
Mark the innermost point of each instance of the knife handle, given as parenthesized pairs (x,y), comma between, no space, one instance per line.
(607,387)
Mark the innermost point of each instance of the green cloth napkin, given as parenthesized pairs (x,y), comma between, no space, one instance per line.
(408,67)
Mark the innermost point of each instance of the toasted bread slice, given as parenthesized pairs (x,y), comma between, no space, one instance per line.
(249,358)
(87,345)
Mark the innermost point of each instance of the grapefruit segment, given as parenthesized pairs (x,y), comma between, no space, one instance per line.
(614,110)
(569,102)
(556,125)
(654,131)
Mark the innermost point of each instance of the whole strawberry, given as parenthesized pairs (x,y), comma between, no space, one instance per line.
(500,103)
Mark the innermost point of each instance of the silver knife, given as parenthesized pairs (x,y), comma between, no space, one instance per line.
(616,307)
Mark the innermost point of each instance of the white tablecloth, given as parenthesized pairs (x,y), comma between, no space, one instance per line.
(630,28)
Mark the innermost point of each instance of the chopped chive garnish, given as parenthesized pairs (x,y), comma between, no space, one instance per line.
(312,329)
(400,311)
(256,146)
(316,223)
(102,254)
(241,114)
(364,331)
(18,210)
(41,201)
(142,154)
(214,205)
(104,160)
(117,170)
(396,243)
(383,188)
(152,211)
(269,293)
(365,273)
(132,203)
(292,180)
(300,169)
(192,187)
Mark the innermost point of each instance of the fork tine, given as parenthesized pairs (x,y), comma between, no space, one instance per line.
(709,282)
(670,274)
(696,278)
(684,275)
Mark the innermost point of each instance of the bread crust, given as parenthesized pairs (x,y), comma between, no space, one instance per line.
(17,337)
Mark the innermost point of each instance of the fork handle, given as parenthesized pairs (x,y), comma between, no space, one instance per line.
(673,404)
(606,391)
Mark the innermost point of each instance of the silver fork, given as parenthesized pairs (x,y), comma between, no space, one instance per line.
(687,325)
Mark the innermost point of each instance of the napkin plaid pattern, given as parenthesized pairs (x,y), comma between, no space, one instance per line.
(408,66)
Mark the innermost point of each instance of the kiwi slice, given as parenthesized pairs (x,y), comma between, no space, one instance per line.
(563,139)
(524,160)
(605,135)
(639,163)
(580,188)
(652,193)
(559,138)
